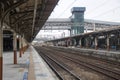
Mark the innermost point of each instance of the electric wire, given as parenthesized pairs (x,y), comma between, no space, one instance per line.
(67,8)
(99,6)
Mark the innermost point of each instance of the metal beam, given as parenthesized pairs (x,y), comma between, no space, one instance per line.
(11,8)
(20,18)
(35,11)
(23,12)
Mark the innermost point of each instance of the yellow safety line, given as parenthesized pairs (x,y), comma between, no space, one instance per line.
(31,74)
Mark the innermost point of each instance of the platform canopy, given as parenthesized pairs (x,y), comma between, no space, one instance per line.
(25,17)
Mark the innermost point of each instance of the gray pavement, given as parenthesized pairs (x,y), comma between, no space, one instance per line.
(14,71)
(19,71)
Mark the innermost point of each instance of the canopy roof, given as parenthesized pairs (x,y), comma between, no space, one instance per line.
(26,17)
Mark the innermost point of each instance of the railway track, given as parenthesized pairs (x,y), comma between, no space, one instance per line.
(100,61)
(61,71)
(104,70)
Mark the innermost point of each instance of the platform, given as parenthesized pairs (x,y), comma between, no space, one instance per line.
(30,67)
(103,54)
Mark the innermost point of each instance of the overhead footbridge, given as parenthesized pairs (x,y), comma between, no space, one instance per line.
(20,21)
(89,24)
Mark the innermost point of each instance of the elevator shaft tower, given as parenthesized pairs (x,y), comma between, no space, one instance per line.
(77,19)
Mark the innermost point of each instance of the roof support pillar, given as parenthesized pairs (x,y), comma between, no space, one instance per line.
(68,42)
(80,42)
(108,42)
(15,48)
(1,52)
(1,41)
(94,27)
(86,42)
(96,42)
(20,44)
(25,45)
(74,42)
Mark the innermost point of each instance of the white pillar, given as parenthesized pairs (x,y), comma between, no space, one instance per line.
(80,43)
(86,29)
(108,42)
(96,42)
(15,47)
(94,27)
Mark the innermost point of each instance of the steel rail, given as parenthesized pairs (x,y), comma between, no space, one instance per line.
(97,68)
(60,64)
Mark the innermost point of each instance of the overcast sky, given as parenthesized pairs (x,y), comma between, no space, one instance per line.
(106,10)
